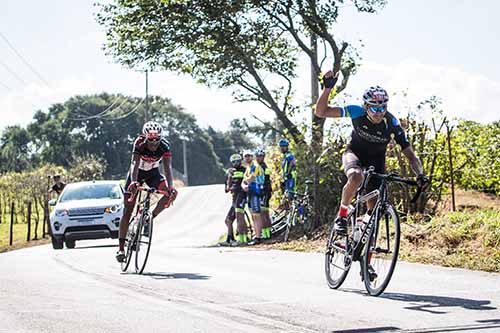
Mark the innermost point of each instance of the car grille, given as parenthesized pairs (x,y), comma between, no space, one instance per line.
(85,211)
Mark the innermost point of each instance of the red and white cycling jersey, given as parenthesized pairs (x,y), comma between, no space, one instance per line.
(150,159)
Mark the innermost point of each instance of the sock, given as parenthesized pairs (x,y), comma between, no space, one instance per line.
(243,238)
(343,211)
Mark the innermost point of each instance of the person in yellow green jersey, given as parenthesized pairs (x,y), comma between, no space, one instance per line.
(254,181)
(233,185)
(288,166)
(267,190)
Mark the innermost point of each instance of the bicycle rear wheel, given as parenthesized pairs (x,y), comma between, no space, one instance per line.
(381,252)
(279,221)
(143,244)
(337,259)
(129,245)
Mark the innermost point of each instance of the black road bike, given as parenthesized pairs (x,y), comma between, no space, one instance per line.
(140,231)
(374,243)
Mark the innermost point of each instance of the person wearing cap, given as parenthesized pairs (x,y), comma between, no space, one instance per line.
(253,183)
(233,185)
(267,190)
(288,167)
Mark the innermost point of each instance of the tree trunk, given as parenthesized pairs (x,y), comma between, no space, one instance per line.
(317,129)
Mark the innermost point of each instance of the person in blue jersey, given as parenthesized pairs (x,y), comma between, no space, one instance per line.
(253,183)
(373,128)
(288,168)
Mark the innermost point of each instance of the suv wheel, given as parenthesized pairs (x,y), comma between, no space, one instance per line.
(57,244)
(70,244)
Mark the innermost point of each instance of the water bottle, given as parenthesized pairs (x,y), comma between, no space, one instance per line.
(357,229)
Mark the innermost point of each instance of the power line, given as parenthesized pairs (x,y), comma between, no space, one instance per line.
(12,73)
(24,60)
(5,86)
(128,113)
(101,114)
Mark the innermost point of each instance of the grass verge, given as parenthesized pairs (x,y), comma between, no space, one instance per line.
(19,236)
(467,239)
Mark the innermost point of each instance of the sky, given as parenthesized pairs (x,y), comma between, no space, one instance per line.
(447,48)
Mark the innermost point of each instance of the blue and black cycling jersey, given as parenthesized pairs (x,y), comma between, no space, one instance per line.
(369,139)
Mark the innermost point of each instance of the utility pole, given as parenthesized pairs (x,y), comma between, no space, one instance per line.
(184,161)
(146,110)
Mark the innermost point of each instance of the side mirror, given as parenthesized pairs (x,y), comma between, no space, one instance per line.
(52,202)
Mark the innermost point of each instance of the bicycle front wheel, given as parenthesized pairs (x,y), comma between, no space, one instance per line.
(143,245)
(337,259)
(381,252)
(129,245)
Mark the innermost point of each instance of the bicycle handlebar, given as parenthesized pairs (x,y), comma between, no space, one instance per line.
(149,190)
(393,177)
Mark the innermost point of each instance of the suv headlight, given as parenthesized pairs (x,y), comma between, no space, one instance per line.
(112,209)
(61,212)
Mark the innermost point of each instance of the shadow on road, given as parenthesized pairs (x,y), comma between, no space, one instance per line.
(431,303)
(483,325)
(94,246)
(369,330)
(168,276)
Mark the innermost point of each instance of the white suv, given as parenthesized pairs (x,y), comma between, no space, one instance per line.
(86,210)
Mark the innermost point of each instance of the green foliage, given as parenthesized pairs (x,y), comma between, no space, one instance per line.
(15,149)
(104,127)
(252,46)
(476,150)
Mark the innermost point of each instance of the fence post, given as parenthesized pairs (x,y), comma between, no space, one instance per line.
(448,135)
(28,236)
(37,219)
(45,217)
(11,230)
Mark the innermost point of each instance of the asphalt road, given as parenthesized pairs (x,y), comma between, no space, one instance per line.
(190,286)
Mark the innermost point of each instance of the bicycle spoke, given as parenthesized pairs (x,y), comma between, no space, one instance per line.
(337,259)
(381,253)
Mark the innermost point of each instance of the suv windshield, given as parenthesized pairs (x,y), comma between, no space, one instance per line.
(92,191)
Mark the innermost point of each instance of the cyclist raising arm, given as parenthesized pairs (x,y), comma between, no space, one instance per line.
(373,128)
(149,151)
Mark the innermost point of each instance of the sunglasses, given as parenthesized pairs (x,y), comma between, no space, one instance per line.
(154,139)
(378,109)
(235,162)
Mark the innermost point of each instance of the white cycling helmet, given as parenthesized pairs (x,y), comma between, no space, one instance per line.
(247,152)
(152,130)
(376,96)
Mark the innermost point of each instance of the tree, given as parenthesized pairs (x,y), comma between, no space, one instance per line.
(14,149)
(252,46)
(103,127)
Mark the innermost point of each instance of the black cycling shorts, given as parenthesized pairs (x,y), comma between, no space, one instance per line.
(153,178)
(264,201)
(351,159)
(238,204)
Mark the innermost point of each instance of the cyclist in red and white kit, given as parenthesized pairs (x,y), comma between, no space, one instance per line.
(148,153)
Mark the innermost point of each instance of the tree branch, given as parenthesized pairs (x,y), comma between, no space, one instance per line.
(268,125)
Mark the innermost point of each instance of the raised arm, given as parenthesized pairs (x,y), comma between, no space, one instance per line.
(322,109)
